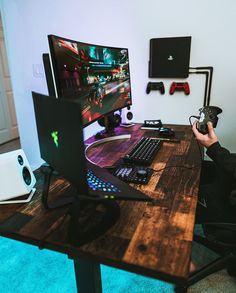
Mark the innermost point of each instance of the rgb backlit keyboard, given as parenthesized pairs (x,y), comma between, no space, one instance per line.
(98,184)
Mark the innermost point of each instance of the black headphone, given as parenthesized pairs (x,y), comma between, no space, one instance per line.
(113,120)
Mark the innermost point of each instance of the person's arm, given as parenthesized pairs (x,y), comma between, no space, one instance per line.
(221,156)
(205,140)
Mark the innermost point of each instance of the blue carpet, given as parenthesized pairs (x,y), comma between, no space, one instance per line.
(26,269)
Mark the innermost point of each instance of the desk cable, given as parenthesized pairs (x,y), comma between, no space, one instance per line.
(176,166)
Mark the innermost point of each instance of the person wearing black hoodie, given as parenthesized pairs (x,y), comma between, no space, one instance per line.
(217,193)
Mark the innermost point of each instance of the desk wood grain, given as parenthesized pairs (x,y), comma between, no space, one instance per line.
(153,239)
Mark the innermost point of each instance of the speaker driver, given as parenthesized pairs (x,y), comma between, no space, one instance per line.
(20,160)
(26,175)
(129,115)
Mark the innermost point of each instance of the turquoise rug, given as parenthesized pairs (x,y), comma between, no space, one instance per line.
(26,269)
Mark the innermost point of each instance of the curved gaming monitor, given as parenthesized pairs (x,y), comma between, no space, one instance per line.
(98,75)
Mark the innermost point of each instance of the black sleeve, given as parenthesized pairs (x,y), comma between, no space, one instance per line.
(223,158)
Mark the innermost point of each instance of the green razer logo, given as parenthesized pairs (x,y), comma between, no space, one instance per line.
(54,136)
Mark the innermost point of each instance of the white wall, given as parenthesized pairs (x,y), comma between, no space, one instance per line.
(126,23)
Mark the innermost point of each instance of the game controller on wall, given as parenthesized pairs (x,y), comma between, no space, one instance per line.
(175,86)
(179,86)
(155,86)
(208,114)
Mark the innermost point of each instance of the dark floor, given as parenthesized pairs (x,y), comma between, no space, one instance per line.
(10,146)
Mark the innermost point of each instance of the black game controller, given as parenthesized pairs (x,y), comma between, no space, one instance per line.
(207,113)
(155,86)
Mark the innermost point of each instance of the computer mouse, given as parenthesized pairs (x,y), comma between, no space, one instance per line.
(166,132)
(142,173)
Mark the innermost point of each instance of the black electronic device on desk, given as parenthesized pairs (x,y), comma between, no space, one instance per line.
(143,152)
(166,132)
(89,180)
(152,124)
(133,174)
(163,132)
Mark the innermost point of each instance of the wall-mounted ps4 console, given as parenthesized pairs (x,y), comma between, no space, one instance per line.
(169,57)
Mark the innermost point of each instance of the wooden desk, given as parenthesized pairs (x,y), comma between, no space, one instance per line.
(152,239)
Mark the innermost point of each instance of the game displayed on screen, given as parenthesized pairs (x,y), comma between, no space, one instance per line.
(98,75)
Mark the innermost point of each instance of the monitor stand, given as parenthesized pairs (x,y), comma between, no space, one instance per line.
(48,171)
(89,217)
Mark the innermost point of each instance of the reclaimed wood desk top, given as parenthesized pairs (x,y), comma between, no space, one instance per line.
(153,239)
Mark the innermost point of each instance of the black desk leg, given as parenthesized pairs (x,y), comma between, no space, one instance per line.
(88,276)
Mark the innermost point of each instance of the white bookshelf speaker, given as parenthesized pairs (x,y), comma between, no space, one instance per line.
(16,176)
(127,117)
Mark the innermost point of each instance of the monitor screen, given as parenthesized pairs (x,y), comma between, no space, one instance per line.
(98,75)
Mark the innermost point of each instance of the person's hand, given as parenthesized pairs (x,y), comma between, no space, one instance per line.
(205,140)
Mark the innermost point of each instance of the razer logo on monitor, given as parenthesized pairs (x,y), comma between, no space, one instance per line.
(54,136)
